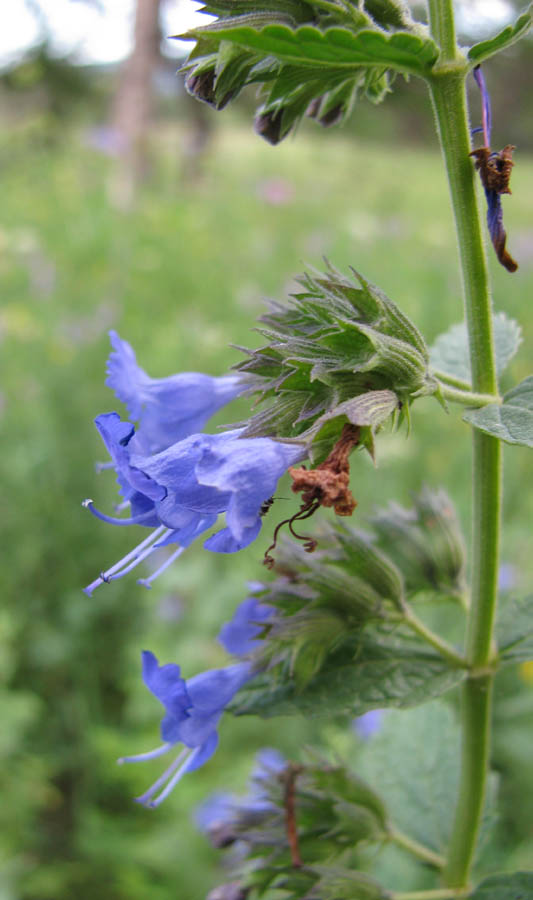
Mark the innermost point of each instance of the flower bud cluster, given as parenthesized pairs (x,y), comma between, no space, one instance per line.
(309,814)
(340,352)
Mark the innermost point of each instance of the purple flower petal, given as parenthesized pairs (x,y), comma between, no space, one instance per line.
(240,635)
(167,409)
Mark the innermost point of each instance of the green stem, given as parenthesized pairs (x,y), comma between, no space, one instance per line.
(440,645)
(447,88)
(450,380)
(416,849)
(441,23)
(468,398)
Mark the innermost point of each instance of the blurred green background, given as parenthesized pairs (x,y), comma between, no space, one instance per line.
(180,266)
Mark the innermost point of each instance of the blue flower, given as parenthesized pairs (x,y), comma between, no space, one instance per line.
(367,725)
(192,712)
(167,409)
(182,490)
(240,636)
(226,818)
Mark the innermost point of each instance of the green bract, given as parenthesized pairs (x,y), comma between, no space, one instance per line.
(340,637)
(311,59)
(340,352)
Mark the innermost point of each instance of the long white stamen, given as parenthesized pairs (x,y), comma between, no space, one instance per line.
(144,798)
(138,559)
(133,554)
(102,466)
(175,778)
(147,582)
(141,757)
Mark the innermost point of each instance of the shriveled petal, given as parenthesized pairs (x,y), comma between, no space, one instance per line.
(485,103)
(240,636)
(166,683)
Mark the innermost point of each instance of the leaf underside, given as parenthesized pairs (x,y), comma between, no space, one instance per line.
(512,420)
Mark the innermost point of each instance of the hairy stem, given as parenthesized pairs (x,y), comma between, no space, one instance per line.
(441,23)
(416,849)
(441,646)
(467,398)
(448,94)
(451,381)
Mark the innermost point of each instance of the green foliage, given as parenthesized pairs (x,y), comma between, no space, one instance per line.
(501,41)
(338,883)
(515,631)
(341,352)
(339,640)
(372,670)
(415,761)
(512,420)
(312,58)
(450,354)
(74,830)
(334,812)
(518,886)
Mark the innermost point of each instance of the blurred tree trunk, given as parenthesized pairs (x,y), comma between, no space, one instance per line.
(133,104)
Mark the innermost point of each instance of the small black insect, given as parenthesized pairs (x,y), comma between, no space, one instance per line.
(265,506)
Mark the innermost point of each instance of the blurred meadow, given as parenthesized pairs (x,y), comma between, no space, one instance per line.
(182,272)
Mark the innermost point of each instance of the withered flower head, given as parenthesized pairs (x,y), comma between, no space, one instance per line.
(495,171)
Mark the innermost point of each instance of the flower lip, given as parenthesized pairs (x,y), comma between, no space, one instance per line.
(167,409)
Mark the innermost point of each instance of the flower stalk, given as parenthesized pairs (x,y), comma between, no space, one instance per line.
(447,88)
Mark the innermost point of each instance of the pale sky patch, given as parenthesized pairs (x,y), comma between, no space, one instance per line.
(93,36)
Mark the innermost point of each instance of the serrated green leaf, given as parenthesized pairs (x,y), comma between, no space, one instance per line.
(515,631)
(450,355)
(518,886)
(505,38)
(338,47)
(370,676)
(512,420)
(414,760)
